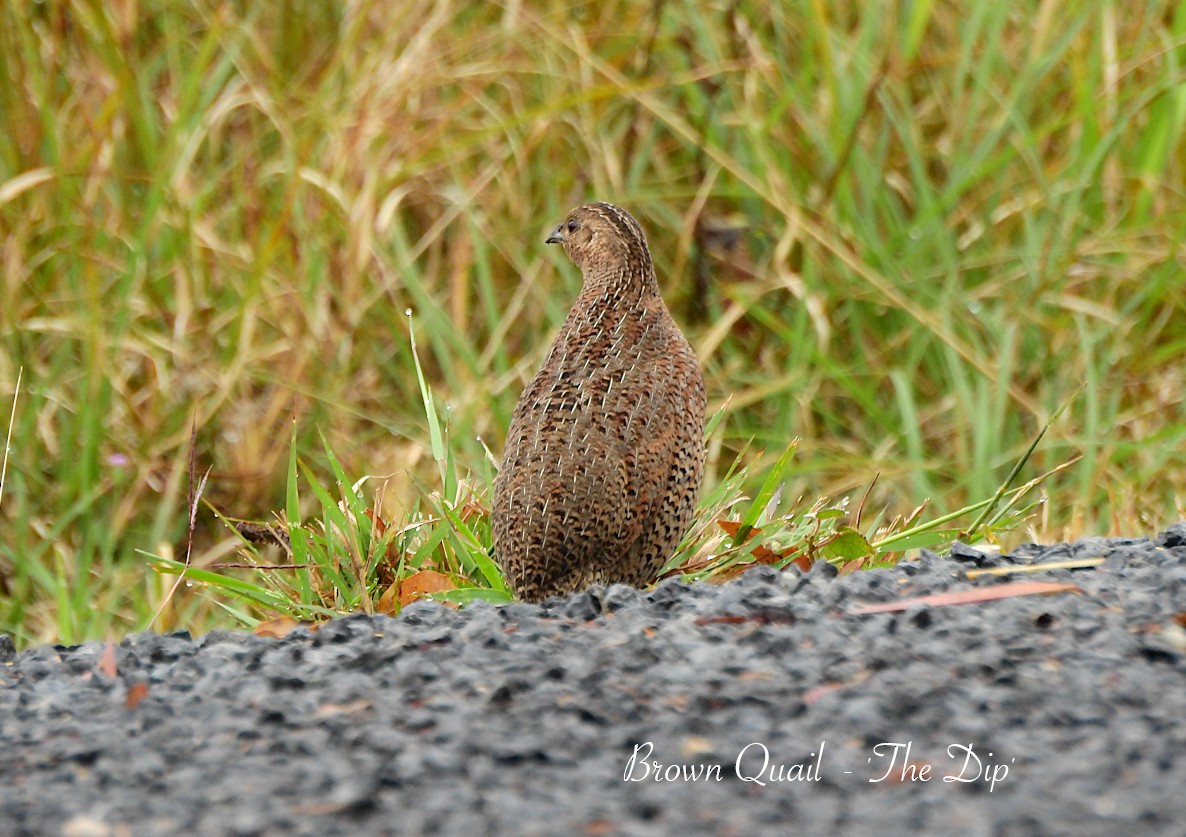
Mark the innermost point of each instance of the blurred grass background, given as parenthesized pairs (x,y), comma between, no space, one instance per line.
(907,232)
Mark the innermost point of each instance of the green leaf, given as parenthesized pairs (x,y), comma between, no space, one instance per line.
(847,545)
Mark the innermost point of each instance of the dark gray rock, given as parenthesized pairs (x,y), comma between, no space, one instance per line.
(588,714)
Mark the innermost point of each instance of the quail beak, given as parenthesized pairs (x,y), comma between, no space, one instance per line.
(557,236)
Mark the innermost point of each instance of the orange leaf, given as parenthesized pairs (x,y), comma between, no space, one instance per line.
(277,628)
(764,554)
(852,566)
(957,597)
(136,693)
(418,584)
(387,565)
(732,527)
(803,562)
(377,522)
(389,601)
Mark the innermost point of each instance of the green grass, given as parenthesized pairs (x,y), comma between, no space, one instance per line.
(952,222)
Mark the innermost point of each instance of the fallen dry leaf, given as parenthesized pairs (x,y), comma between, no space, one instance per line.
(732,527)
(418,584)
(136,693)
(277,628)
(415,586)
(852,566)
(389,563)
(389,602)
(958,597)
(803,562)
(762,554)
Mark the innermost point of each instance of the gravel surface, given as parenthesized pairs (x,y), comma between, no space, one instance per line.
(758,706)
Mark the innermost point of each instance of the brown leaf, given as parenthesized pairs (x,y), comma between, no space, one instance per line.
(106,663)
(277,628)
(958,597)
(420,583)
(377,522)
(762,553)
(732,527)
(386,568)
(136,693)
(803,562)
(389,601)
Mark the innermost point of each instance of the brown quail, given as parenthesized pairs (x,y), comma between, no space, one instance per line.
(605,453)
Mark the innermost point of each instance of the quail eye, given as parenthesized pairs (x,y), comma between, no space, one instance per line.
(572,225)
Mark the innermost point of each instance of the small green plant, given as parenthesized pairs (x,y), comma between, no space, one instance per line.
(346,559)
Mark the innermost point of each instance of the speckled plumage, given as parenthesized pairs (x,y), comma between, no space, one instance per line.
(605,453)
